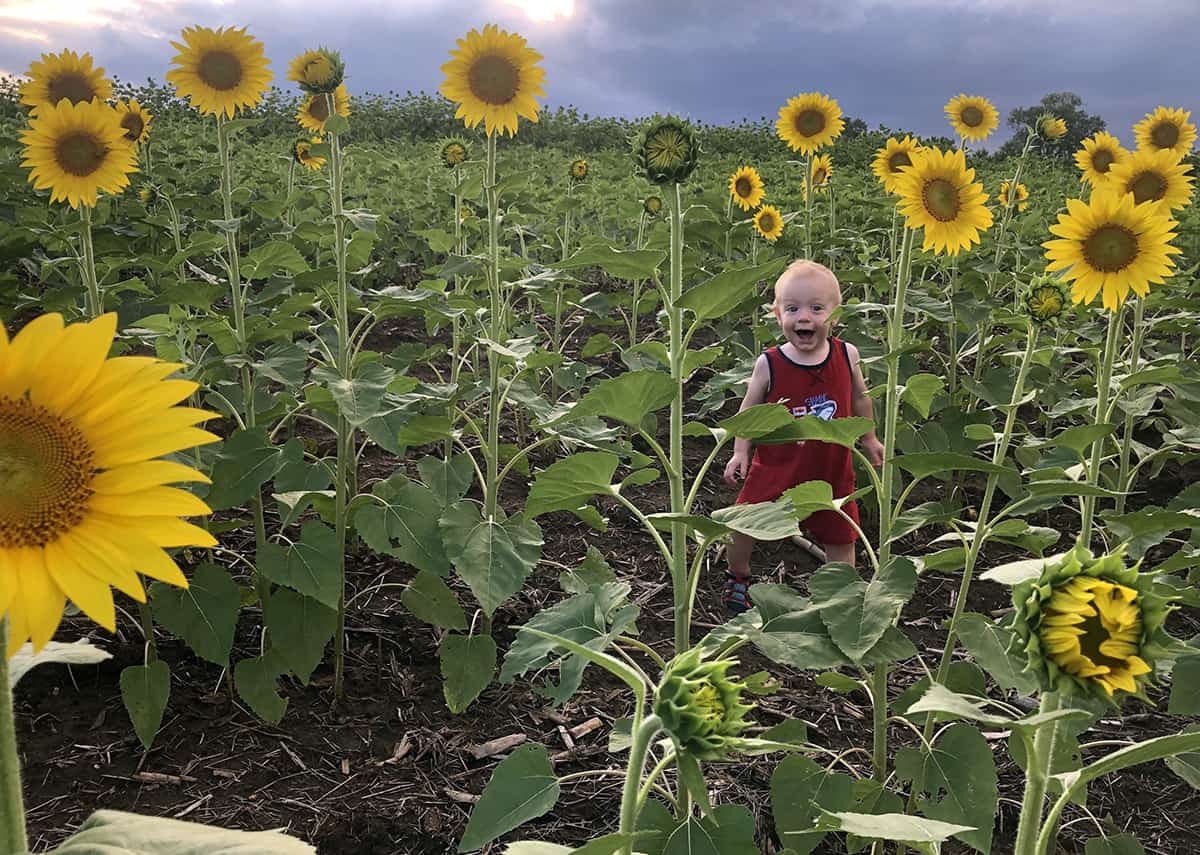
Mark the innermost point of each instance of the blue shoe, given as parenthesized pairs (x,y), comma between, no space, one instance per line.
(735,596)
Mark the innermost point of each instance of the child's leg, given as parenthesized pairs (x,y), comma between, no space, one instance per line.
(738,554)
(839,552)
(735,595)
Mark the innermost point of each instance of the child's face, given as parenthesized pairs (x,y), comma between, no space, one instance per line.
(803,305)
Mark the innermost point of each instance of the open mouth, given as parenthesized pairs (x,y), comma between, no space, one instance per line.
(806,336)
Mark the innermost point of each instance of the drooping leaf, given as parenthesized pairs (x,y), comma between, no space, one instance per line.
(204,614)
(256,681)
(956,783)
(522,788)
(728,289)
(145,690)
(468,663)
(431,600)
(494,557)
(300,628)
(627,398)
(310,565)
(567,484)
(79,652)
(623,264)
(800,789)
(989,643)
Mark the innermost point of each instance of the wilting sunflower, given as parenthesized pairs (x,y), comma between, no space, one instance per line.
(77,151)
(1020,199)
(1090,625)
(1113,245)
(1046,300)
(453,152)
(666,149)
(939,194)
(1166,129)
(1153,176)
(578,170)
(892,158)
(652,205)
(972,117)
(1052,127)
(302,152)
(746,188)
(64,75)
(135,119)
(809,121)
(317,71)
(83,504)
(820,172)
(1100,153)
(768,222)
(495,79)
(314,112)
(221,71)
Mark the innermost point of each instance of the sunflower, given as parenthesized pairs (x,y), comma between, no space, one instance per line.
(893,157)
(494,78)
(302,153)
(1052,127)
(1020,199)
(1153,176)
(972,117)
(1099,154)
(1046,300)
(64,75)
(135,119)
(1091,625)
(453,152)
(1113,245)
(768,222)
(939,194)
(746,188)
(315,111)
(809,121)
(147,194)
(76,151)
(221,71)
(83,504)
(578,170)
(820,172)
(317,71)
(666,150)
(1166,129)
(652,205)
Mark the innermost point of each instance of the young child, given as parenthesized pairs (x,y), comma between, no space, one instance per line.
(811,373)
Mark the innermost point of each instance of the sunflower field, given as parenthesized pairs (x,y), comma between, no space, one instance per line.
(360,474)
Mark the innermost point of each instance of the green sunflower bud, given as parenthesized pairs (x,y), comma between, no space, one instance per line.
(666,150)
(147,194)
(318,71)
(1091,625)
(652,205)
(453,152)
(579,169)
(700,706)
(1047,298)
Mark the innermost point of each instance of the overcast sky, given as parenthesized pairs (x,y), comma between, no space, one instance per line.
(894,63)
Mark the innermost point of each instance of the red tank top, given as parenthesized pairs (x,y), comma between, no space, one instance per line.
(824,390)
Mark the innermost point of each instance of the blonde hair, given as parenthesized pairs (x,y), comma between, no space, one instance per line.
(806,267)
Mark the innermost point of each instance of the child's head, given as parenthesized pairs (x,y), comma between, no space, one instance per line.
(806,294)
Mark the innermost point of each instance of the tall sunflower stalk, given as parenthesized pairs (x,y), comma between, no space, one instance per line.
(12,805)
(637,283)
(1124,475)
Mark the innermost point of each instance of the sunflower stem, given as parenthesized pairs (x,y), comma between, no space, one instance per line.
(455,332)
(637,283)
(1037,775)
(808,206)
(729,229)
(496,319)
(1103,381)
(291,184)
(642,739)
(176,232)
(87,266)
(679,574)
(12,807)
(1123,480)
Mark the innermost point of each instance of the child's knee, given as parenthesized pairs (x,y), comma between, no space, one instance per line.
(842,553)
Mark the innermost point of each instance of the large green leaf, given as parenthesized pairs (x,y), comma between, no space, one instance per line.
(858,613)
(956,783)
(989,643)
(800,789)
(431,600)
(1185,686)
(359,398)
(839,431)
(728,289)
(247,460)
(110,832)
(760,520)
(920,390)
(299,627)
(892,826)
(924,463)
(623,264)
(204,614)
(567,484)
(1078,438)
(728,830)
(523,787)
(494,557)
(145,690)
(468,663)
(1116,844)
(309,566)
(257,683)
(756,421)
(448,480)
(403,521)
(627,398)
(272,257)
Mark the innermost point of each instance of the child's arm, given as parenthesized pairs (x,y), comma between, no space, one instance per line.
(756,393)
(861,406)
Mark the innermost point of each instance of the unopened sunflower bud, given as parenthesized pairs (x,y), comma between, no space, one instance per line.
(666,150)
(1046,300)
(700,705)
(652,205)
(1052,127)
(318,71)
(453,152)
(579,169)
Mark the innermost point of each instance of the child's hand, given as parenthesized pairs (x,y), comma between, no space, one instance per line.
(873,448)
(735,469)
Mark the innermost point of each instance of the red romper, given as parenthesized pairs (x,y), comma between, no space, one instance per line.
(825,390)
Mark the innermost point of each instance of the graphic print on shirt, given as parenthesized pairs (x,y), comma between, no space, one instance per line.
(821,406)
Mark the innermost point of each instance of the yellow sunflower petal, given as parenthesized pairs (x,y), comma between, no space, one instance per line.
(154,501)
(149,473)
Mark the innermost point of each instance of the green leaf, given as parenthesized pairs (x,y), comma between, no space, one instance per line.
(300,627)
(756,421)
(1117,844)
(920,390)
(989,642)
(1185,687)
(79,652)
(1187,767)
(614,666)
(431,600)
(800,789)
(567,484)
(493,557)
(728,289)
(924,463)
(839,431)
(593,571)
(272,257)
(448,480)
(247,460)
(310,566)
(256,681)
(522,788)
(622,264)
(145,690)
(468,663)
(956,782)
(692,781)
(940,699)
(204,614)
(361,398)
(893,826)
(1078,438)
(759,520)
(423,429)
(118,833)
(1142,752)
(627,398)
(728,831)
(403,521)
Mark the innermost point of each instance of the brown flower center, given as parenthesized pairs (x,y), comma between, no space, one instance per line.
(972,117)
(1165,135)
(809,123)
(46,469)
(743,187)
(80,154)
(133,125)
(820,176)
(899,160)
(1110,248)
(1148,186)
(941,199)
(494,80)
(1102,160)
(72,85)
(318,107)
(220,70)
(766,222)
